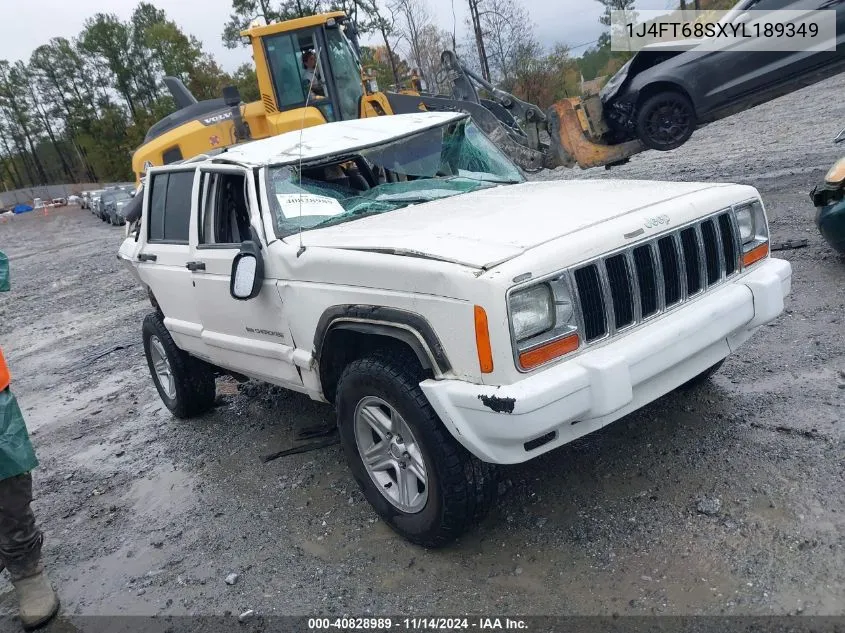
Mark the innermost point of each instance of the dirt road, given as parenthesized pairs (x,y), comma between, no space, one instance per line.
(724,500)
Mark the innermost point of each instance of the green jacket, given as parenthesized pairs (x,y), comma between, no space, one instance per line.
(16,453)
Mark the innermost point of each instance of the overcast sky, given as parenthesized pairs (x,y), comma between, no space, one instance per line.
(28,24)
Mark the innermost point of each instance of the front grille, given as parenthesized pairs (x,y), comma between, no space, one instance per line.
(647,279)
(621,292)
(692,260)
(712,252)
(622,289)
(670,264)
(729,244)
(592,302)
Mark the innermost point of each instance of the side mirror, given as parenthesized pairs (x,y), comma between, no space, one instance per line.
(247,272)
(231,96)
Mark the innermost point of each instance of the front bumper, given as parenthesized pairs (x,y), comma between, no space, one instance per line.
(601,385)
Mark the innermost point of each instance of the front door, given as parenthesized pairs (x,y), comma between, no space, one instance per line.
(245,336)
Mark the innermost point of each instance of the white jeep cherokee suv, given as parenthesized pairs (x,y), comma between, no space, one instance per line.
(455,315)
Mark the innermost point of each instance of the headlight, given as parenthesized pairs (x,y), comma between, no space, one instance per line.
(543,322)
(531,311)
(746,224)
(753,232)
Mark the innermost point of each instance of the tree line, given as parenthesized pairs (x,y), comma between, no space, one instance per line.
(78,108)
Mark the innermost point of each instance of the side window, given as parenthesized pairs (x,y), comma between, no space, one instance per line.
(288,74)
(347,76)
(170,206)
(158,191)
(225,208)
(294,68)
(177,208)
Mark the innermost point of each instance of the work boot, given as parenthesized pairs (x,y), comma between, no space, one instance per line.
(37,601)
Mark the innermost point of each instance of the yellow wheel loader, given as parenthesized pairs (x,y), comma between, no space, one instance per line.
(309,73)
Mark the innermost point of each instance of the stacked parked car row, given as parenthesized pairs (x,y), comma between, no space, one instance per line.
(108,204)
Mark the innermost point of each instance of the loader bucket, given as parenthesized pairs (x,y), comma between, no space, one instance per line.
(570,145)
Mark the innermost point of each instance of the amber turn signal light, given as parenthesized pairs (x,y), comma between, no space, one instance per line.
(482,341)
(755,254)
(548,351)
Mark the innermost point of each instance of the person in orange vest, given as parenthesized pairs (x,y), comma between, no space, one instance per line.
(20,538)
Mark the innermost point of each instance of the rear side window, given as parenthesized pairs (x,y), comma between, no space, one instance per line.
(170,206)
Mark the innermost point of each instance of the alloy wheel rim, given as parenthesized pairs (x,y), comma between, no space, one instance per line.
(161,366)
(668,122)
(391,454)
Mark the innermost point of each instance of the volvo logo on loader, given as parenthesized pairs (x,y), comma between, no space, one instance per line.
(217,118)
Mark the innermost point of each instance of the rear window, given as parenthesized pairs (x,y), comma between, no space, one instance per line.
(170,206)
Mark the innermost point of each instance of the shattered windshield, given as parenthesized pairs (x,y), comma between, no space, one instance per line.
(438,163)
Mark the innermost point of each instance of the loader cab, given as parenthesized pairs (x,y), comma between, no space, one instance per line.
(309,62)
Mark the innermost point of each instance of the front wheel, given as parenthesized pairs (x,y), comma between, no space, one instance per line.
(665,121)
(417,477)
(185,384)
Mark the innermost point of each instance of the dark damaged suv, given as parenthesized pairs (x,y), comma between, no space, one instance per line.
(660,96)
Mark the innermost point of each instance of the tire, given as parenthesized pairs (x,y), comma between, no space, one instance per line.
(459,488)
(703,377)
(665,121)
(192,391)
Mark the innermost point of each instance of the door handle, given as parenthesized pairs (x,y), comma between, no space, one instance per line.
(147,257)
(194,266)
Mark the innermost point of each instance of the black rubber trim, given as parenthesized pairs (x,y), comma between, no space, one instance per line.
(195,112)
(382,320)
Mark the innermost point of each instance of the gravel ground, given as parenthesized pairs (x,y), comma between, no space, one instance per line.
(724,500)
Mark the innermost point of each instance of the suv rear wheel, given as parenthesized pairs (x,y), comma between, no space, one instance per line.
(665,121)
(419,479)
(185,384)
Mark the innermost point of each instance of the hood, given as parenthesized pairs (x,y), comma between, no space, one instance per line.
(485,228)
(647,57)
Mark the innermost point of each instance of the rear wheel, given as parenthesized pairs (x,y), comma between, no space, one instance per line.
(185,384)
(417,477)
(665,121)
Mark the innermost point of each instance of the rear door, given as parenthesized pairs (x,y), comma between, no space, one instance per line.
(246,336)
(166,253)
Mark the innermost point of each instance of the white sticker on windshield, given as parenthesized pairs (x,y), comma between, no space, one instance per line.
(307,204)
